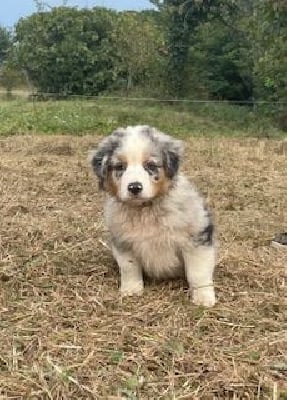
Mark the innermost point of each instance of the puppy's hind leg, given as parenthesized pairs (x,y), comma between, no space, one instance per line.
(130,272)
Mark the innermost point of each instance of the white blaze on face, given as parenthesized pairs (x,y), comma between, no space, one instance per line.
(135,147)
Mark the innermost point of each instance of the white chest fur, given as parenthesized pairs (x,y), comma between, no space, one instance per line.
(156,235)
(152,239)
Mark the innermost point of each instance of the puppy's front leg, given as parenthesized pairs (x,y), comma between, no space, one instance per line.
(130,271)
(199,267)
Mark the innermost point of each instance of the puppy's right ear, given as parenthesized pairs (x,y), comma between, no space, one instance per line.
(172,151)
(99,161)
(101,158)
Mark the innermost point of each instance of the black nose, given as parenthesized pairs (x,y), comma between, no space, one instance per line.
(135,188)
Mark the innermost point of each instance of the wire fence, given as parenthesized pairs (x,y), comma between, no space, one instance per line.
(60,96)
(157,100)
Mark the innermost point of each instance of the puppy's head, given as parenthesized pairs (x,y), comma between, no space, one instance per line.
(137,164)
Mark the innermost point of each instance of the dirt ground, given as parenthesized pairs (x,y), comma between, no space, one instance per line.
(65,333)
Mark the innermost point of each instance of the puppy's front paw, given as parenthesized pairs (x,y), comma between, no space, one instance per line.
(204,296)
(132,289)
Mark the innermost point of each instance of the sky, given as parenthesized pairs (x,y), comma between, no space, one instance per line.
(12,10)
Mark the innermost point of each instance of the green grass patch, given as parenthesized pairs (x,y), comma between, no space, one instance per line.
(79,117)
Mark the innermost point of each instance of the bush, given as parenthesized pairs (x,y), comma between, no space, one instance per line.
(67,51)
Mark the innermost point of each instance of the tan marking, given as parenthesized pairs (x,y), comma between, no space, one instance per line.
(120,157)
(162,186)
(110,185)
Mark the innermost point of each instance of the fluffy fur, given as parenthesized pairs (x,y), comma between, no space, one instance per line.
(158,222)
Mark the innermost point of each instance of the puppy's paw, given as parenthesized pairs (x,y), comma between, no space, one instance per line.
(204,296)
(132,289)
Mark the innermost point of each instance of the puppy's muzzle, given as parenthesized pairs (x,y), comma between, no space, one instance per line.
(135,188)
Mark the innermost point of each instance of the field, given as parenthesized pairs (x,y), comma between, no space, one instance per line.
(81,117)
(65,333)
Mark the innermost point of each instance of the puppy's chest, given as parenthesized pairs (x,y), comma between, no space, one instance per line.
(155,241)
(149,228)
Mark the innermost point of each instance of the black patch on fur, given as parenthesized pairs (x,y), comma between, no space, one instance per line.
(170,152)
(121,245)
(205,237)
(170,163)
(152,169)
(119,174)
(101,161)
(118,169)
(148,131)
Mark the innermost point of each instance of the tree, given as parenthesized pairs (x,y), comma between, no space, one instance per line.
(68,51)
(5,43)
(181,18)
(137,40)
(268,31)
(219,63)
(10,77)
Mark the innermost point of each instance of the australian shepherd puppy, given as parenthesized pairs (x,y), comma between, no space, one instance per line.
(159,224)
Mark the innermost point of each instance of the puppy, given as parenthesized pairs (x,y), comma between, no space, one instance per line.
(158,222)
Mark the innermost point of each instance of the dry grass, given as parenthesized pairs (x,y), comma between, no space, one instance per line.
(64,331)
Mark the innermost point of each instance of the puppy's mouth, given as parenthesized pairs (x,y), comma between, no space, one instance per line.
(137,201)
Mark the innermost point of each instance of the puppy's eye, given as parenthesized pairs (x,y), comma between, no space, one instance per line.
(119,167)
(151,167)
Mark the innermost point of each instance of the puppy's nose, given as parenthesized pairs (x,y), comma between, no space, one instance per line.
(135,188)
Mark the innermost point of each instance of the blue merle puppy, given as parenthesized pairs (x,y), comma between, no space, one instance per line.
(159,224)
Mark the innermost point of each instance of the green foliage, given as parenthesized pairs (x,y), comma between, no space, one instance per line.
(214,49)
(177,34)
(177,41)
(5,43)
(181,18)
(10,77)
(226,73)
(137,40)
(269,33)
(68,51)
(226,49)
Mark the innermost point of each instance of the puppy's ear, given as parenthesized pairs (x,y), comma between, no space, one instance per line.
(101,158)
(172,153)
(100,164)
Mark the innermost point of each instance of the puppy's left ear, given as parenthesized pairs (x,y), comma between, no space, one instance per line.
(172,153)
